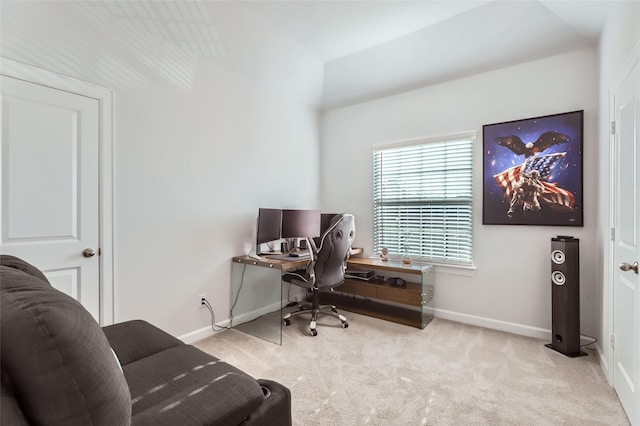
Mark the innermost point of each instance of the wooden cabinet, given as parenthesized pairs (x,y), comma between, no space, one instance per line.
(411,304)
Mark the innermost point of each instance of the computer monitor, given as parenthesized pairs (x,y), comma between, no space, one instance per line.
(300,223)
(325,221)
(268,226)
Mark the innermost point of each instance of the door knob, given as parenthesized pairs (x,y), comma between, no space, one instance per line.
(626,267)
(88,252)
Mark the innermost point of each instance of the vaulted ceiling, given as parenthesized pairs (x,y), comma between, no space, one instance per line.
(373,48)
(376,48)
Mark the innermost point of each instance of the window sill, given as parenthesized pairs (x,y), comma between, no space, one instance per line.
(462,270)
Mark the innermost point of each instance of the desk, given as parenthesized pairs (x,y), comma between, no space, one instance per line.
(280,264)
(258,296)
(409,305)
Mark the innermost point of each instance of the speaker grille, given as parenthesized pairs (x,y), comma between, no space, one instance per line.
(558,278)
(558,257)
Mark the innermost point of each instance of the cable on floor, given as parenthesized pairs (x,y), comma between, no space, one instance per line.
(590,343)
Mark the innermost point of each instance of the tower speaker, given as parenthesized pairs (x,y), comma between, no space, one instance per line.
(565,296)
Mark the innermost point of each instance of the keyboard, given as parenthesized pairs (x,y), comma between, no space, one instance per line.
(299,254)
(359,273)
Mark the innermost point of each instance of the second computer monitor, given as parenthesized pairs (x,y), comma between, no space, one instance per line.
(268,226)
(325,221)
(300,223)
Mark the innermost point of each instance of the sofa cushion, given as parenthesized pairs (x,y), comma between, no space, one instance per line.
(21,265)
(183,385)
(125,340)
(10,412)
(56,356)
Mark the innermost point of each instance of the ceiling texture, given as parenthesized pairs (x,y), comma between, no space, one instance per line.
(378,48)
(374,48)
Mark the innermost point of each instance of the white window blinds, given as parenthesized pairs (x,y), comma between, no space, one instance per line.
(423,200)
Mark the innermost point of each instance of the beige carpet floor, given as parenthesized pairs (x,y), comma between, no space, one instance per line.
(381,373)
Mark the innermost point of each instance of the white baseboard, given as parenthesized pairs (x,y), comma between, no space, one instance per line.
(523,330)
(510,327)
(201,333)
(251,315)
(207,331)
(604,364)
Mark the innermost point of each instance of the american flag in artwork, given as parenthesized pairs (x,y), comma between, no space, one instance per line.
(553,194)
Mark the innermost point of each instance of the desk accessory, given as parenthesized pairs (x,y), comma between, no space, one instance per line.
(397,282)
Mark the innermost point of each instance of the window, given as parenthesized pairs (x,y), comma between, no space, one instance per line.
(423,199)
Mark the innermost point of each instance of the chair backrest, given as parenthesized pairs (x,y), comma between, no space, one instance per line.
(333,250)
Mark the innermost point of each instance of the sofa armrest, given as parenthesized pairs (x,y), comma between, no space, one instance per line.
(137,339)
(56,358)
(226,400)
(276,408)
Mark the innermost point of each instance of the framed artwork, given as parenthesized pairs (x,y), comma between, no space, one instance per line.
(532,171)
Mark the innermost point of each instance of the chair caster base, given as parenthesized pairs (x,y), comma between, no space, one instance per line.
(325,309)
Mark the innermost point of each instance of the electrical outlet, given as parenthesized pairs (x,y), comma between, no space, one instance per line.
(201,298)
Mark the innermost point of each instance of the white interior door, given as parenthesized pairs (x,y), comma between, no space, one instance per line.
(50,185)
(626,315)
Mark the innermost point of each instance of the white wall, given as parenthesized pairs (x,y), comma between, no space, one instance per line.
(619,37)
(200,142)
(510,289)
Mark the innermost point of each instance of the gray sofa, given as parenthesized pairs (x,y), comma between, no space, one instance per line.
(60,368)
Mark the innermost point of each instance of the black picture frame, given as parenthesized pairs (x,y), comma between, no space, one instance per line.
(513,194)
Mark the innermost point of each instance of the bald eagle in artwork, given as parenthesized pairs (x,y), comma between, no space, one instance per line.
(547,139)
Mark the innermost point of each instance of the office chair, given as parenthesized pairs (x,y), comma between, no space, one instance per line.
(325,270)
